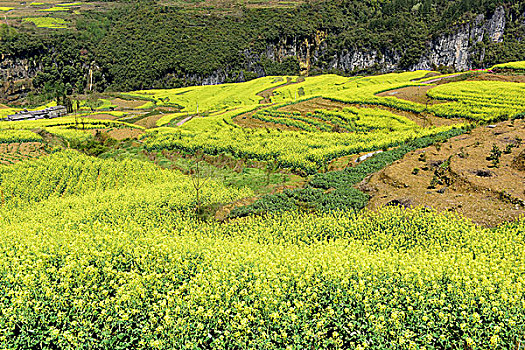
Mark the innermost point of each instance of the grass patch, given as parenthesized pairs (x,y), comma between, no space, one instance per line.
(68,4)
(47,22)
(55,9)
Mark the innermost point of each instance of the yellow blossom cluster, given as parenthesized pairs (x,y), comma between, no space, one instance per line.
(126,265)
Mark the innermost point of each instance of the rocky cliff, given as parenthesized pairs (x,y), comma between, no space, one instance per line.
(455,49)
(458,48)
(15,77)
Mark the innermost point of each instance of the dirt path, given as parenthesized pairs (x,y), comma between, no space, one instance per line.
(187,119)
(268,93)
(438,79)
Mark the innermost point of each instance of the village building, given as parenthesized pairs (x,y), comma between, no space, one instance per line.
(48,113)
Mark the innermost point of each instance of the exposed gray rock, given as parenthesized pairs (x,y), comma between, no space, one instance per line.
(351,59)
(366,156)
(454,49)
(13,68)
(495,27)
(15,77)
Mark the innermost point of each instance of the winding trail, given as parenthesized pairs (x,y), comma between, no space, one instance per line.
(441,78)
(187,119)
(268,93)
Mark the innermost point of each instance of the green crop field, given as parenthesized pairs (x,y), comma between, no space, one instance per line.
(511,65)
(47,22)
(118,244)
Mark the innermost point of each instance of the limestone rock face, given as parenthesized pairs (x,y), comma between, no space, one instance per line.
(15,77)
(14,68)
(352,59)
(452,49)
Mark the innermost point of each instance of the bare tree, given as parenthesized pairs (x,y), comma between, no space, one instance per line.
(200,175)
(76,114)
(272,167)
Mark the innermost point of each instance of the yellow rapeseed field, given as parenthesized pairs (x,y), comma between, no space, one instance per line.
(110,256)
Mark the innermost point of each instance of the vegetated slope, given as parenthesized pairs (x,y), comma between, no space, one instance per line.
(129,46)
(314,123)
(228,5)
(310,139)
(109,253)
(337,117)
(136,270)
(479,175)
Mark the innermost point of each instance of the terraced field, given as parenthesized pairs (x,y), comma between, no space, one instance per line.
(297,146)
(223,217)
(456,176)
(11,153)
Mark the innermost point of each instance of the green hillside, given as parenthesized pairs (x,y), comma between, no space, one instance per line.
(237,216)
(164,44)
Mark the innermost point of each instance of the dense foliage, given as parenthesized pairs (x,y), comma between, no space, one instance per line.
(146,44)
(334,190)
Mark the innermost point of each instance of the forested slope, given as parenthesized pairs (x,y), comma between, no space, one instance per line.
(145,44)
